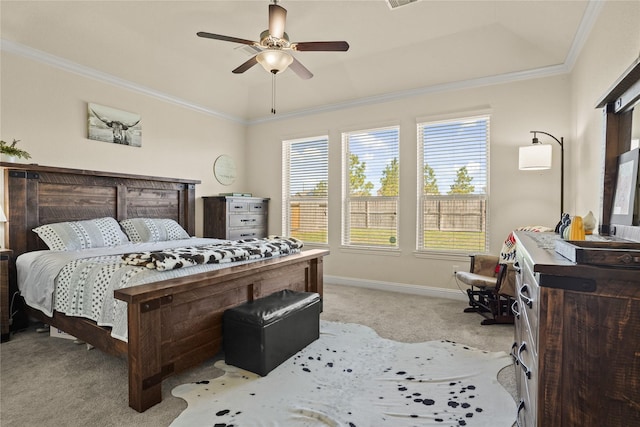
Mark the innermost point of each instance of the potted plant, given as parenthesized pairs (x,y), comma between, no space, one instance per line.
(10,153)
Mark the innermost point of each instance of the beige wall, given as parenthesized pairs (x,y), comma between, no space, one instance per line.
(613,45)
(46,108)
(516,199)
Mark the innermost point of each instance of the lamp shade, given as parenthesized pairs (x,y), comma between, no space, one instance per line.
(274,60)
(535,157)
(3,218)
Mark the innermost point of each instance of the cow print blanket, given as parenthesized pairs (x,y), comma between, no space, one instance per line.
(229,251)
(352,377)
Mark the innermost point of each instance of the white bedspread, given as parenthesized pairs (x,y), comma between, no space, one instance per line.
(38,279)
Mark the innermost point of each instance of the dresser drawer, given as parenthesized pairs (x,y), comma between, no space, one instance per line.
(246,220)
(525,348)
(257,207)
(529,372)
(526,369)
(246,233)
(237,206)
(528,297)
(526,415)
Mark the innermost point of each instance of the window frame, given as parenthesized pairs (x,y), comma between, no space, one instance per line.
(346,230)
(286,186)
(421,196)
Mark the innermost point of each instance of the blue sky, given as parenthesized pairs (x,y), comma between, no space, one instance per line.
(454,144)
(448,146)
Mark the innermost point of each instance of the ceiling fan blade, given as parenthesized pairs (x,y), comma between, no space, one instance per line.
(246,65)
(338,46)
(300,69)
(277,19)
(225,38)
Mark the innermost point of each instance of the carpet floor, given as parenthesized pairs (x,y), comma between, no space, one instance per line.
(47,381)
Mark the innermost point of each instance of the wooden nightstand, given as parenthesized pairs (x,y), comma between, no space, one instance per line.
(235,218)
(5,254)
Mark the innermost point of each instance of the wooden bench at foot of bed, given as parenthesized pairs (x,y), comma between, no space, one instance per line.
(177,324)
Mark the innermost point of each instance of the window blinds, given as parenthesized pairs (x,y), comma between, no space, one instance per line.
(453,184)
(305,185)
(371,187)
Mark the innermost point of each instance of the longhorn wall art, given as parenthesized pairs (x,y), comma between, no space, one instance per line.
(110,125)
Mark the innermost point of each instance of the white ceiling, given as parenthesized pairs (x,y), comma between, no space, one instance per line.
(152,45)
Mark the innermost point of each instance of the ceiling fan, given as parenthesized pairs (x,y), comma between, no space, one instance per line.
(273,49)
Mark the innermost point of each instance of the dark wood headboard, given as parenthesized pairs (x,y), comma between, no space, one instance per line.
(37,195)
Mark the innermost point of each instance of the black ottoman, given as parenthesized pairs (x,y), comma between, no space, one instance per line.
(261,334)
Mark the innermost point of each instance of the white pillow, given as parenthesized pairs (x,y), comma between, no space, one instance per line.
(77,235)
(153,230)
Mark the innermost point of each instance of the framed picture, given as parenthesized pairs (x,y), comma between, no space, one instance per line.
(626,188)
(110,125)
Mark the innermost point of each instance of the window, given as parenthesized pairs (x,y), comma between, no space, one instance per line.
(305,181)
(371,187)
(453,185)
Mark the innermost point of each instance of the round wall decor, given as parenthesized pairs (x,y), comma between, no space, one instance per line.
(224,169)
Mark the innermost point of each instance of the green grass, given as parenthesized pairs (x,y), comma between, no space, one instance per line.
(455,240)
(310,236)
(436,240)
(374,236)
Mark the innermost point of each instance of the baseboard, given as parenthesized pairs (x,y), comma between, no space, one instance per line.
(428,291)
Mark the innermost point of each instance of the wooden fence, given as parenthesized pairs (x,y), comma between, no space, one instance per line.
(443,213)
(308,214)
(455,213)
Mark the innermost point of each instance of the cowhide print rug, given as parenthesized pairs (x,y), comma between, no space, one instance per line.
(352,377)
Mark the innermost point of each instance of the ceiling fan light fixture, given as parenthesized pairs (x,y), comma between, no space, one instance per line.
(274,47)
(274,60)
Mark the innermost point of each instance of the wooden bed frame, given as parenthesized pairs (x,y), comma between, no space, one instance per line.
(173,324)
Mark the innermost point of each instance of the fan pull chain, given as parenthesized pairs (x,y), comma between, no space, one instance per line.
(273,93)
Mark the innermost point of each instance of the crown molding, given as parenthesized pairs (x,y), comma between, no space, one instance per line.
(92,73)
(588,20)
(552,70)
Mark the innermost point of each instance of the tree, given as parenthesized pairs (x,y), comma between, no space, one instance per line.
(389,180)
(462,185)
(430,181)
(358,184)
(321,189)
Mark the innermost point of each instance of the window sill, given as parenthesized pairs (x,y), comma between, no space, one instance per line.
(442,255)
(315,245)
(368,250)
